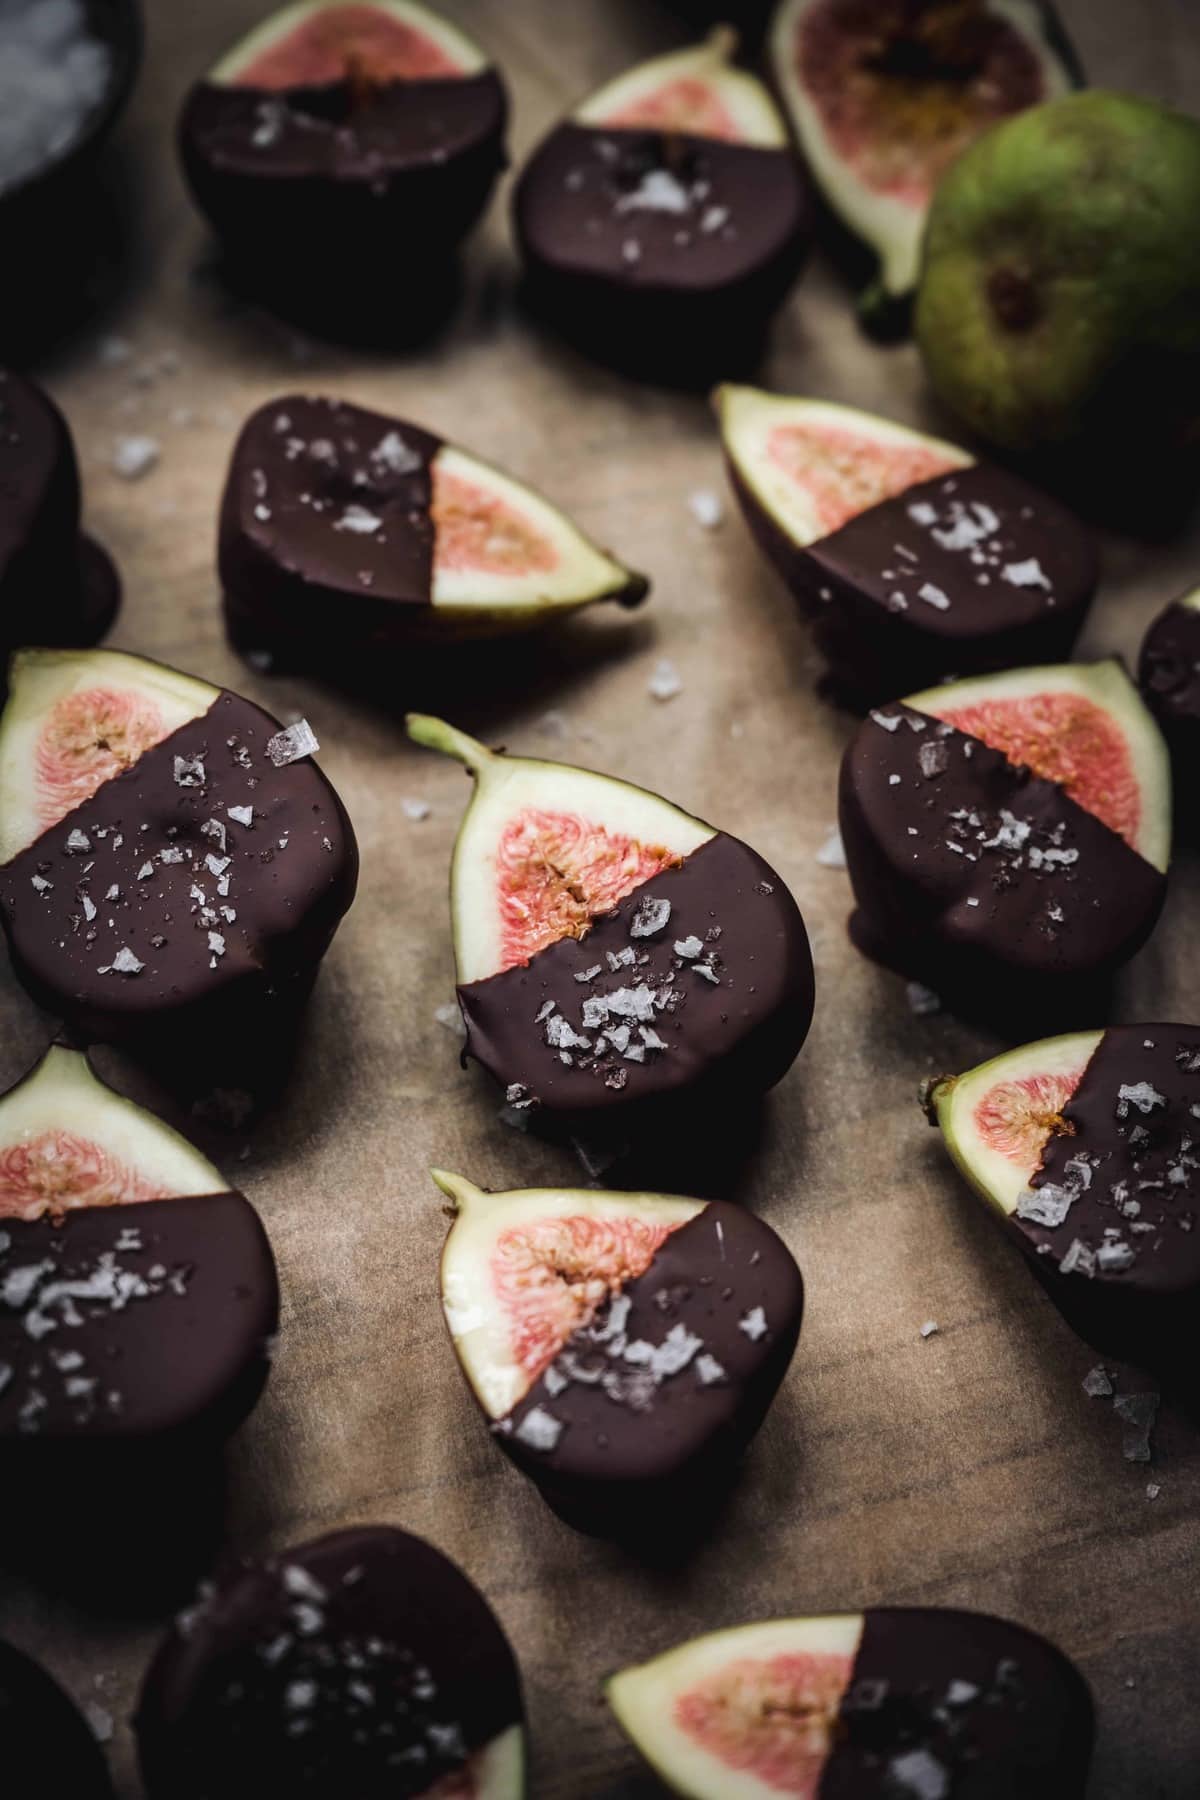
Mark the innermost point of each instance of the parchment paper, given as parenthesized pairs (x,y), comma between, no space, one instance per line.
(965,1468)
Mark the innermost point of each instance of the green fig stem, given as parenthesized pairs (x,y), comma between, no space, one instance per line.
(435,734)
(456,1188)
(723,41)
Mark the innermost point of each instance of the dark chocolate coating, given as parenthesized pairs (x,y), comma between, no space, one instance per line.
(988,1707)
(642,285)
(1123,1261)
(46,1747)
(291,572)
(291,877)
(359,1666)
(121,1325)
(737,1034)
(56,586)
(1169,677)
(943,886)
(634,1438)
(340,186)
(860,585)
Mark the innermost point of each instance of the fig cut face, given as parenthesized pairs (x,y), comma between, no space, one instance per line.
(1084,1146)
(882,96)
(695,92)
(348,527)
(319,42)
(75,719)
(814,465)
(904,1701)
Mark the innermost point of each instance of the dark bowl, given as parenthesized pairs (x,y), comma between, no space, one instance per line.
(118,24)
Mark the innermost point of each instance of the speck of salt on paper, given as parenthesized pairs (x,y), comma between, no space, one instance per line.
(416,810)
(135,456)
(832,853)
(706,508)
(664,683)
(930,1328)
(922,1000)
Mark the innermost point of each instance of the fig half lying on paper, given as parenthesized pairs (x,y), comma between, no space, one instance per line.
(346,533)
(1009,836)
(663,222)
(912,560)
(884,94)
(173,865)
(139,1291)
(1088,1148)
(612,950)
(624,1347)
(895,1703)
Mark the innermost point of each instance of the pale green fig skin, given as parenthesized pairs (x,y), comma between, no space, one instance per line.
(1077,219)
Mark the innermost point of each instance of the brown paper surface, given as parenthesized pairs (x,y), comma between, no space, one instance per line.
(968,1468)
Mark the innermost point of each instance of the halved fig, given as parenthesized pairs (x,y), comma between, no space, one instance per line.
(344,144)
(345,531)
(361,1663)
(624,1346)
(174,865)
(1169,677)
(911,559)
(1087,1146)
(884,94)
(43,1730)
(664,221)
(896,1701)
(612,950)
(1008,836)
(138,1293)
(57,586)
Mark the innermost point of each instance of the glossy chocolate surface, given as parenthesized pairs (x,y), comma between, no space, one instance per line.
(378,173)
(959,856)
(123,1323)
(676,1372)
(361,1664)
(45,1746)
(213,912)
(733,1011)
(56,586)
(652,241)
(958,1704)
(1117,1198)
(1169,677)
(326,519)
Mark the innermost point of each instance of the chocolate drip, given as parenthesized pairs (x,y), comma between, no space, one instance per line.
(361,1663)
(976,869)
(674,1375)
(122,1324)
(326,525)
(152,905)
(962,1704)
(636,1019)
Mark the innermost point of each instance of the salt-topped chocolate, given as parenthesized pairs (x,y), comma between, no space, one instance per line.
(359,1663)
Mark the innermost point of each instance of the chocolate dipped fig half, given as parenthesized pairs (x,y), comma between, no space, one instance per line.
(173,865)
(663,222)
(345,532)
(623,1346)
(1007,838)
(613,951)
(895,1703)
(883,96)
(342,143)
(138,1293)
(48,1746)
(359,1664)
(57,586)
(1169,677)
(1085,1146)
(911,560)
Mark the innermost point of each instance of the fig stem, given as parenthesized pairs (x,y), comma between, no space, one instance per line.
(456,1187)
(723,41)
(435,734)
